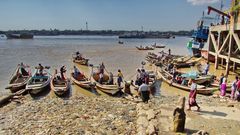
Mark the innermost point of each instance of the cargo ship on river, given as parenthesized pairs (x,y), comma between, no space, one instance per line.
(20,36)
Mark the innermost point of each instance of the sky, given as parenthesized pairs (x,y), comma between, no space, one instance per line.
(154,15)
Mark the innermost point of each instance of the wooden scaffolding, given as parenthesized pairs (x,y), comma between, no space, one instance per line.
(223,41)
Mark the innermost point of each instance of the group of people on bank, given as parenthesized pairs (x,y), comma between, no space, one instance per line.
(235,87)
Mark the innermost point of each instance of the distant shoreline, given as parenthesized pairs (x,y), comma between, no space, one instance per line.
(56,32)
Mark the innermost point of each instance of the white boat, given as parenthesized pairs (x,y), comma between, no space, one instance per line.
(39,83)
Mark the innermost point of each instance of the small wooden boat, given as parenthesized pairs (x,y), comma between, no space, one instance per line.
(19,79)
(111,89)
(144,48)
(158,46)
(80,60)
(120,42)
(200,88)
(59,86)
(82,81)
(38,83)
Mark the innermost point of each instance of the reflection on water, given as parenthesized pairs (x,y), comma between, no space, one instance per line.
(57,50)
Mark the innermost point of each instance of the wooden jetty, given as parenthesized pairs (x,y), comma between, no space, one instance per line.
(224,41)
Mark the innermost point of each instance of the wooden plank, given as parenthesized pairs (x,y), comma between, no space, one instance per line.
(235,60)
(236,40)
(228,57)
(212,53)
(214,42)
(224,43)
(222,56)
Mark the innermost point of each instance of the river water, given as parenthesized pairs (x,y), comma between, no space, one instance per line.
(55,51)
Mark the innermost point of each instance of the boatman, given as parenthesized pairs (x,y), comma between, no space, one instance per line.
(62,71)
(40,69)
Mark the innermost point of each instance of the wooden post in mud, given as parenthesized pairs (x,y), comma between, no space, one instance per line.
(179,116)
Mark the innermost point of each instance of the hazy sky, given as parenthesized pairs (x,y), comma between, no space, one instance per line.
(102,14)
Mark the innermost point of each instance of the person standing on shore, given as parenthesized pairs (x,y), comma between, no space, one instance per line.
(206,69)
(120,78)
(223,87)
(169,51)
(144,92)
(142,75)
(138,78)
(234,88)
(237,95)
(192,96)
(221,81)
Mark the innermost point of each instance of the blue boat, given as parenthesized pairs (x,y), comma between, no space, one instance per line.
(200,36)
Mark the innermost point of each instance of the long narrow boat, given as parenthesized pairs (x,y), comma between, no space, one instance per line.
(82,81)
(19,79)
(38,83)
(158,46)
(60,86)
(144,48)
(105,87)
(200,88)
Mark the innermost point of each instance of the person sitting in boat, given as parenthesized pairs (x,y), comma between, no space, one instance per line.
(184,81)
(76,72)
(40,69)
(78,55)
(62,71)
(179,79)
(144,92)
(22,71)
(100,78)
(110,81)
(119,78)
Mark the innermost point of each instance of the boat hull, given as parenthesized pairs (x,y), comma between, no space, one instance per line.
(202,90)
(109,89)
(62,90)
(36,90)
(81,62)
